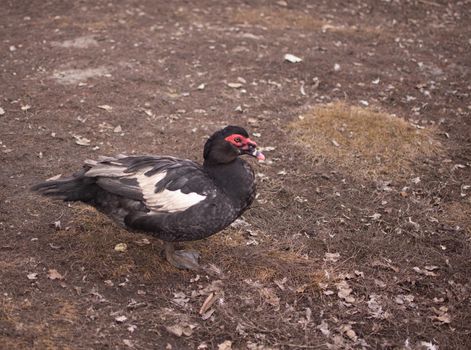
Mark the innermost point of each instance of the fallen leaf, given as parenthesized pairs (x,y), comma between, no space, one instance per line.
(81,141)
(359,273)
(442,314)
(175,329)
(180,298)
(344,291)
(149,112)
(376,216)
(179,330)
(374,306)
(106,107)
(235,85)
(324,328)
(32,276)
(424,272)
(444,318)
(208,314)
(280,283)
(431,267)
(292,58)
(121,247)
(349,332)
(128,342)
(53,274)
(429,345)
(226,345)
(208,303)
(331,257)
(142,242)
(120,319)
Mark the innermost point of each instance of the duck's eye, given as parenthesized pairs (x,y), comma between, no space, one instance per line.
(237,139)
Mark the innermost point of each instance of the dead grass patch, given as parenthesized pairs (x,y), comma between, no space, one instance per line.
(22,333)
(266,262)
(94,237)
(458,213)
(278,18)
(365,142)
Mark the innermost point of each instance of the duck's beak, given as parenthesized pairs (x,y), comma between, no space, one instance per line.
(250,148)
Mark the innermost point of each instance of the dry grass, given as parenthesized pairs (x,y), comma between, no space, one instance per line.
(96,236)
(277,18)
(367,143)
(22,333)
(458,214)
(266,262)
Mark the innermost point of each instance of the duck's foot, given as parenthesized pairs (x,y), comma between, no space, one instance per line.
(182,259)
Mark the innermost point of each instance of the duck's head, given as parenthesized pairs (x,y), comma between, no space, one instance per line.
(225,145)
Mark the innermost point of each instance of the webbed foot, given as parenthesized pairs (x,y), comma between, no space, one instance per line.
(182,259)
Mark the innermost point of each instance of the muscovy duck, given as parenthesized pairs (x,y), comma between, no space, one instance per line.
(172,199)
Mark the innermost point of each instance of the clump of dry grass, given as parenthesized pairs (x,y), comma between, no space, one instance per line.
(456,213)
(92,240)
(265,262)
(91,244)
(367,143)
(288,18)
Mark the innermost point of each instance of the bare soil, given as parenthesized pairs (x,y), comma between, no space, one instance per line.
(325,258)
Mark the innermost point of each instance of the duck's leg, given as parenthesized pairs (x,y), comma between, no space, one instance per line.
(182,259)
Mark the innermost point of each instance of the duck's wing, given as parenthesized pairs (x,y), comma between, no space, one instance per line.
(162,184)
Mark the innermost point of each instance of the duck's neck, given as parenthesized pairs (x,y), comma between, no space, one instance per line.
(236,179)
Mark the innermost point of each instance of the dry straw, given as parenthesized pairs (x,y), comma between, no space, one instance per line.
(367,143)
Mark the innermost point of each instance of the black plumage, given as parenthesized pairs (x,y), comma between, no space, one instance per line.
(170,198)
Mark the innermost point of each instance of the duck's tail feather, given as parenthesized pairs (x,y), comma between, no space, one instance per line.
(74,188)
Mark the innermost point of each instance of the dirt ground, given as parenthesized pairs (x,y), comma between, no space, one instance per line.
(329,256)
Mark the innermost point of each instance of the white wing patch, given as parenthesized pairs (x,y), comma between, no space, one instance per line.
(166,200)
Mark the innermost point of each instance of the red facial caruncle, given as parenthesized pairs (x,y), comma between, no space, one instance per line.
(240,141)
(246,145)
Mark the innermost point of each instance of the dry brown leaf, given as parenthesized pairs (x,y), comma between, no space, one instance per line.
(331,257)
(120,319)
(121,247)
(208,314)
(235,85)
(208,303)
(32,276)
(292,58)
(53,274)
(344,291)
(175,329)
(81,141)
(106,107)
(226,345)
